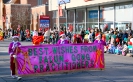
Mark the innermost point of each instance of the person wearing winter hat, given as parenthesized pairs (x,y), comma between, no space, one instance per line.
(99,40)
(12,51)
(63,39)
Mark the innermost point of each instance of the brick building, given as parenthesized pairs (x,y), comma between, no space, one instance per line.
(17,14)
(31,11)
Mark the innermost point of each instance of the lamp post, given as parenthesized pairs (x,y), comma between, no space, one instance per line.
(62,1)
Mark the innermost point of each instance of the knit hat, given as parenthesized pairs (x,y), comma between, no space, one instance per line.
(97,36)
(62,33)
(15,37)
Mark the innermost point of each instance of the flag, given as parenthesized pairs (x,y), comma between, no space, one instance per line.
(60,11)
(71,27)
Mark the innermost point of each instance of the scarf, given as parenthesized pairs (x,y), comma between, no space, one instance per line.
(62,41)
(14,45)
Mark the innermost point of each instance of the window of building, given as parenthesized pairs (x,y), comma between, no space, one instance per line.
(54,14)
(70,20)
(123,15)
(80,20)
(40,2)
(106,17)
(92,17)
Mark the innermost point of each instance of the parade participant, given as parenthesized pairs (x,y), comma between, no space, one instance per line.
(1,35)
(12,51)
(74,38)
(34,38)
(86,39)
(99,40)
(28,35)
(63,39)
(103,37)
(40,35)
(35,33)
(78,39)
(47,36)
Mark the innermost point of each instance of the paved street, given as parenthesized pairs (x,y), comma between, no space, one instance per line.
(118,69)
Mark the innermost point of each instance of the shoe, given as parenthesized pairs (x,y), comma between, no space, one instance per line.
(18,78)
(13,76)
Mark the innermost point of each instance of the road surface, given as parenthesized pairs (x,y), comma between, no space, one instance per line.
(118,69)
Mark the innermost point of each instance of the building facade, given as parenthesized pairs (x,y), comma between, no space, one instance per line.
(28,10)
(17,15)
(1,13)
(95,13)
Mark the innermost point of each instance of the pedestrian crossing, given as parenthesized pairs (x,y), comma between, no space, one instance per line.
(3,51)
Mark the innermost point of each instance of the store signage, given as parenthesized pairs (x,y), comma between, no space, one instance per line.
(44,21)
(94,14)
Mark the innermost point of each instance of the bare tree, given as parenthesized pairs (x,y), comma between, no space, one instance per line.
(21,15)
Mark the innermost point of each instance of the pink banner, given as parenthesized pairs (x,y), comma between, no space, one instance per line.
(59,58)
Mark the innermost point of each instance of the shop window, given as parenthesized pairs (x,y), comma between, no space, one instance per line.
(92,17)
(123,16)
(79,27)
(71,16)
(80,16)
(124,12)
(54,14)
(80,20)
(39,2)
(106,17)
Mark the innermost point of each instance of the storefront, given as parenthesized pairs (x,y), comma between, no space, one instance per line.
(104,16)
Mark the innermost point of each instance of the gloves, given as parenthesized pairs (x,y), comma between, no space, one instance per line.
(14,56)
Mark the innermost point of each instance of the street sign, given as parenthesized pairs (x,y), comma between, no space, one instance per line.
(44,21)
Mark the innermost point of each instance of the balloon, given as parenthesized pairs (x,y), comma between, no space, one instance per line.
(117,40)
(130,43)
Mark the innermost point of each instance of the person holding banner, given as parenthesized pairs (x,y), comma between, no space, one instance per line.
(13,51)
(63,39)
(99,40)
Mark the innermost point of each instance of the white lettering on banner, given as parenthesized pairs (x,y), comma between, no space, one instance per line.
(44,25)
